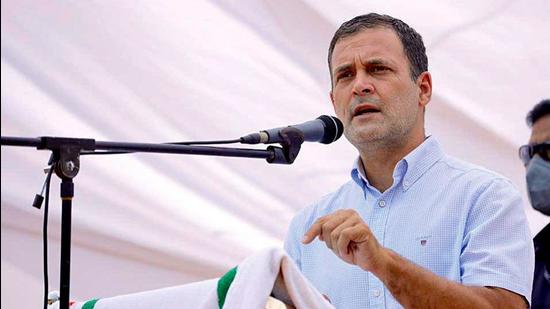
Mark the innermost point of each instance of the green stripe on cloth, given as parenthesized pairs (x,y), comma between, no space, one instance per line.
(223,285)
(90,304)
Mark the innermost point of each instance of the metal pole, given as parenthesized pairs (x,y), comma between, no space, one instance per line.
(67,193)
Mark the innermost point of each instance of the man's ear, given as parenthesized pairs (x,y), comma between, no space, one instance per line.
(424,83)
(332,100)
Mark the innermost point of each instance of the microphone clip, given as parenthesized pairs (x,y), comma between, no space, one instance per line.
(292,142)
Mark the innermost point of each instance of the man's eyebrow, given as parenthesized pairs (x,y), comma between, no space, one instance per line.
(341,68)
(374,61)
(377,61)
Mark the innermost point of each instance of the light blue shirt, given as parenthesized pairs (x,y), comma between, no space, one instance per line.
(458,220)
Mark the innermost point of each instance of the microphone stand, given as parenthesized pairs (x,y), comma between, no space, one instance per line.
(66,163)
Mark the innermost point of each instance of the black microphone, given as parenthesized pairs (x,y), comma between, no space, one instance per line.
(325,129)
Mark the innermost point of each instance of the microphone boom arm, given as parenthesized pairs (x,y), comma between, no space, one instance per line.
(272,154)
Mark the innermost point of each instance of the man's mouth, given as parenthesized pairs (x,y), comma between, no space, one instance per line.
(365,109)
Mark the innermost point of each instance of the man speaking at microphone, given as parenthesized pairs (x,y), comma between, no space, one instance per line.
(413,227)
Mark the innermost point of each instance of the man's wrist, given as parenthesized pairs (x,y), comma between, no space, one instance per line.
(381,264)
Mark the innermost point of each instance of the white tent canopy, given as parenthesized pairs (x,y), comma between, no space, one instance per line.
(202,70)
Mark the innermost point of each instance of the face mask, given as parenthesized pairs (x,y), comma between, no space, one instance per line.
(538,184)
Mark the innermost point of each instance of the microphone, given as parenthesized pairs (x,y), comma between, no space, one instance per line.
(325,129)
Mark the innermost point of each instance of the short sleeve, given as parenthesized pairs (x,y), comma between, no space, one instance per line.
(497,249)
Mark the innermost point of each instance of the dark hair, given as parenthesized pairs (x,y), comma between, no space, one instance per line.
(540,110)
(410,39)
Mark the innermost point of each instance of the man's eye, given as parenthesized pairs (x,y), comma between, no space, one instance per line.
(378,69)
(344,75)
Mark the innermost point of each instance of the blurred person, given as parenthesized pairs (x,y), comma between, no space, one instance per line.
(536,158)
(413,227)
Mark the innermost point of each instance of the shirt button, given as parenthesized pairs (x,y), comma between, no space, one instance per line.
(376,293)
(382,203)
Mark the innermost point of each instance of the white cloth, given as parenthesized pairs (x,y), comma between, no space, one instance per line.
(256,277)
(251,287)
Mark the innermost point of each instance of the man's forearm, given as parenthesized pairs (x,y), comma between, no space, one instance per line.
(347,235)
(416,287)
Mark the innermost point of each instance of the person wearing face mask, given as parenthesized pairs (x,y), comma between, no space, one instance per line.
(536,157)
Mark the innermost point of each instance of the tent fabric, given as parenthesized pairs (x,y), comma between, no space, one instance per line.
(168,71)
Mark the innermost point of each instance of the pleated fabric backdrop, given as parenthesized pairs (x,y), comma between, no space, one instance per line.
(167,71)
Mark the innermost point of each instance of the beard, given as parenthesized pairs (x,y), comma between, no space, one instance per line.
(389,128)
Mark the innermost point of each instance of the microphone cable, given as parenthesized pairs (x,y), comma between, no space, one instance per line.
(218,142)
(37,203)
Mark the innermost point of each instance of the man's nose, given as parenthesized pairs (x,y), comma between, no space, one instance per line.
(362,85)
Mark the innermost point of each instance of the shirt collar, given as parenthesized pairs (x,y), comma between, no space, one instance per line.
(410,168)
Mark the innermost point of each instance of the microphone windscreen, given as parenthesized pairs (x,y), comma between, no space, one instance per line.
(333,129)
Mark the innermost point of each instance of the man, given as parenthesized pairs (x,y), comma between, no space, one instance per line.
(413,227)
(536,157)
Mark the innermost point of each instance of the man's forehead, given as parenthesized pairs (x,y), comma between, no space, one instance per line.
(379,44)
